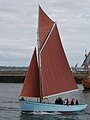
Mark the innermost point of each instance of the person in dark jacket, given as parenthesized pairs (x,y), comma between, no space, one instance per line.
(76,102)
(59,100)
(72,102)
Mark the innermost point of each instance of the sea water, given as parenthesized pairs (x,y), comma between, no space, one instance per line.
(9,106)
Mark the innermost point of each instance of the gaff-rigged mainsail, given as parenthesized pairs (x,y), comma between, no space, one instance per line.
(56,74)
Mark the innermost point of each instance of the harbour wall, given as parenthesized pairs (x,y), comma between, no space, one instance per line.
(12,76)
(17,74)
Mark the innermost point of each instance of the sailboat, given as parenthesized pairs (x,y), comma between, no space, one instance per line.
(86,64)
(50,74)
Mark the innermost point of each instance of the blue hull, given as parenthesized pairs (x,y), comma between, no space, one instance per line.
(31,106)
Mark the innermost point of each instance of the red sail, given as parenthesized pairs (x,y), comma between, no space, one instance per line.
(44,27)
(56,74)
(31,87)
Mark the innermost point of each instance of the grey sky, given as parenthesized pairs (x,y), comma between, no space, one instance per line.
(18,28)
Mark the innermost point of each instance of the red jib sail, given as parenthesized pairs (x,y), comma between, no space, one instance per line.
(55,71)
(31,87)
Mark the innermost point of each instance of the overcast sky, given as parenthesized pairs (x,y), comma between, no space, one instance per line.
(18,28)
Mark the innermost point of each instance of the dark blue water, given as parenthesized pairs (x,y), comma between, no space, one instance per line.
(9,106)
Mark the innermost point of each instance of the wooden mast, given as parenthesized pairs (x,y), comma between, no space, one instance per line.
(39,59)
